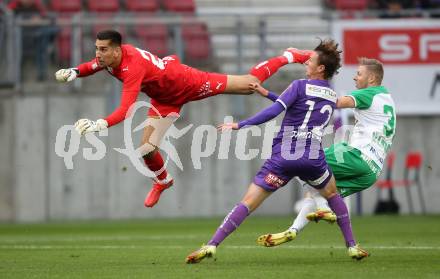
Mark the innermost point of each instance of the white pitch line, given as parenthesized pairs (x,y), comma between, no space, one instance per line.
(341,247)
(75,238)
(92,238)
(106,247)
(55,247)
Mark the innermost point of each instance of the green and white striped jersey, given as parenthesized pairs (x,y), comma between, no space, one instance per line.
(375,125)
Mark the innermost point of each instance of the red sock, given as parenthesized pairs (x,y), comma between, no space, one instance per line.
(266,69)
(155,163)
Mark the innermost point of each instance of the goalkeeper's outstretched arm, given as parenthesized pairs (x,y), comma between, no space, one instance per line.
(85,69)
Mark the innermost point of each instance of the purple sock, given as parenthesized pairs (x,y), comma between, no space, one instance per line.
(231,222)
(338,206)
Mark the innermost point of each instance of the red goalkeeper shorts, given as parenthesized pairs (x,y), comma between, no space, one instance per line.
(205,85)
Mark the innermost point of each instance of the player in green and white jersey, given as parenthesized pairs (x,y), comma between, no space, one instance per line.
(357,164)
(372,136)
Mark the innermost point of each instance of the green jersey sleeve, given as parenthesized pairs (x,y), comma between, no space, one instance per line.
(363,98)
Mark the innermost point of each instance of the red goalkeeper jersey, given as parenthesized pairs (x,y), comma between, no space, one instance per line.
(165,81)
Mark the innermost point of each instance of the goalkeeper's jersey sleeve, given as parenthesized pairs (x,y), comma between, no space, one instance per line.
(375,126)
(88,68)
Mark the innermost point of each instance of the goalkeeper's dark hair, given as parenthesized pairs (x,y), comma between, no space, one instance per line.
(329,56)
(112,35)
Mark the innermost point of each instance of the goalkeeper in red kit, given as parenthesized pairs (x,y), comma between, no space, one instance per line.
(169,84)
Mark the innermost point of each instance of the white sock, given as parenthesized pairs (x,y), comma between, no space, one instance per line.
(164,181)
(321,203)
(289,56)
(301,221)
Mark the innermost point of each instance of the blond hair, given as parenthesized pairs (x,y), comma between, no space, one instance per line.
(374,66)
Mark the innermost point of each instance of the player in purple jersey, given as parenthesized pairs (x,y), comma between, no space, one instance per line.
(296,151)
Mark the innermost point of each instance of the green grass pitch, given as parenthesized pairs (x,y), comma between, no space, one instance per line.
(400,247)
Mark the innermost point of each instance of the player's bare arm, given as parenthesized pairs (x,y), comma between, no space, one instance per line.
(256,87)
(345,102)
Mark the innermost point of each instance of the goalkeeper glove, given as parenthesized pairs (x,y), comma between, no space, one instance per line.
(65,75)
(84,126)
(295,55)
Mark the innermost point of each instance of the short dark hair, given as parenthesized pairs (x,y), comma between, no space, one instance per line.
(374,66)
(329,56)
(112,35)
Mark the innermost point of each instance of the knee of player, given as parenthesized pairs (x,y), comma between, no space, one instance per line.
(327,192)
(308,194)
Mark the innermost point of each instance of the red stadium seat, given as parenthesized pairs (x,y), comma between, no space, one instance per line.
(198,48)
(62,6)
(63,44)
(65,10)
(179,6)
(105,9)
(351,5)
(109,6)
(63,41)
(197,41)
(194,29)
(100,27)
(153,38)
(413,160)
(142,5)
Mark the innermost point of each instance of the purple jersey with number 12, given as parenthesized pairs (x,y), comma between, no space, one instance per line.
(297,149)
(309,106)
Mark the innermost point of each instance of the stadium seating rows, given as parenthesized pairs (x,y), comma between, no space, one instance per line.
(179,6)
(155,38)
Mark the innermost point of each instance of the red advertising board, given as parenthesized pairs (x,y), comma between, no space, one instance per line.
(393,46)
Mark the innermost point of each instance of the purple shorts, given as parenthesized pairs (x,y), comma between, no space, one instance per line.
(277,172)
